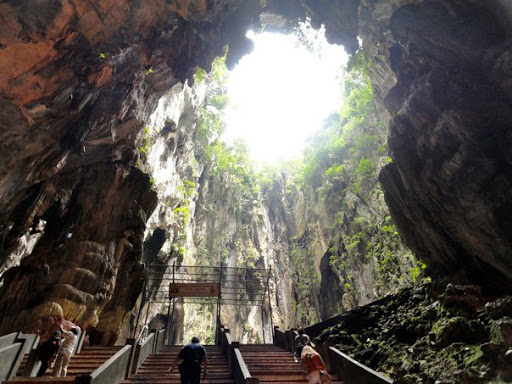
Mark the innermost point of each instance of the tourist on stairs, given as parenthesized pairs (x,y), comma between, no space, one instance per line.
(66,350)
(191,357)
(313,366)
(301,340)
(47,351)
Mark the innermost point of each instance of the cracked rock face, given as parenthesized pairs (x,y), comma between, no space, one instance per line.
(449,186)
(79,79)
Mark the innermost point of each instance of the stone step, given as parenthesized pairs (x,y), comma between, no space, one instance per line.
(155,368)
(89,359)
(45,380)
(272,364)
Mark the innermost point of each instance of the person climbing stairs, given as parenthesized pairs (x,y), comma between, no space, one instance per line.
(84,363)
(155,368)
(272,364)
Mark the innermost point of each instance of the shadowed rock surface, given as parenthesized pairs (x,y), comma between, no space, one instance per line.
(427,335)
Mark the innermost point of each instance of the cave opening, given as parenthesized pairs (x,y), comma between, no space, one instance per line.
(280,93)
(232,202)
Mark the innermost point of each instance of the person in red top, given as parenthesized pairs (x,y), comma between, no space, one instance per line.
(313,365)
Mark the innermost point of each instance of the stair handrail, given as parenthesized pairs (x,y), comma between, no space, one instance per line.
(348,369)
(226,344)
(112,371)
(32,364)
(314,330)
(10,359)
(141,351)
(159,339)
(280,338)
(236,363)
(142,333)
(80,342)
(240,371)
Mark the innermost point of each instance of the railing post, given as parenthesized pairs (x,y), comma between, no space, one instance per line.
(323,349)
(155,339)
(130,341)
(274,341)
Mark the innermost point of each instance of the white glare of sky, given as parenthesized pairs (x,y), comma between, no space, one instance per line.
(281,93)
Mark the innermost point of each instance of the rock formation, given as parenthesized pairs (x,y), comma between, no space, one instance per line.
(455,335)
(80,79)
(449,187)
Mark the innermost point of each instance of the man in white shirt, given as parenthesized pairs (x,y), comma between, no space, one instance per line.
(66,350)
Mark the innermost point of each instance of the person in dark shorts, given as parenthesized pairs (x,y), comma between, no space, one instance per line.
(191,357)
(47,351)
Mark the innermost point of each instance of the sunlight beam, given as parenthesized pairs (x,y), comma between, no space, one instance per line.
(281,93)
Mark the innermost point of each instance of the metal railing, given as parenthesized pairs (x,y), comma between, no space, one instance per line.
(236,363)
(346,368)
(112,371)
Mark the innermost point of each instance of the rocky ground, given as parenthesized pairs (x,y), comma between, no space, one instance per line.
(431,335)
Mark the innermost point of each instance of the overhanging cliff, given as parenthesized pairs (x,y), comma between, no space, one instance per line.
(79,79)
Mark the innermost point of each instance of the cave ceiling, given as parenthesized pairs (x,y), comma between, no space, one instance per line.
(78,79)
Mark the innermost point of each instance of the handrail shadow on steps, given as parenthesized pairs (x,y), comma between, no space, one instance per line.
(236,363)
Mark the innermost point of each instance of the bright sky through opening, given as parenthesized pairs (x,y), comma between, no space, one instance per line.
(281,93)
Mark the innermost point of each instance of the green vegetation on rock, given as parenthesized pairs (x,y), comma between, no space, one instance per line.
(341,246)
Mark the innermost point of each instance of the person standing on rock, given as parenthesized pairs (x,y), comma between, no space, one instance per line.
(47,351)
(191,356)
(60,369)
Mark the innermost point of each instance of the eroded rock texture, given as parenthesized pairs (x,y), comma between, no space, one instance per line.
(451,335)
(449,186)
(78,80)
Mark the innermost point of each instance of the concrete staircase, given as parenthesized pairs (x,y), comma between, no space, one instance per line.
(268,363)
(155,368)
(272,364)
(84,363)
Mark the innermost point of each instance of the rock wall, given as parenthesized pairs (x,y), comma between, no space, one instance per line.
(80,79)
(448,187)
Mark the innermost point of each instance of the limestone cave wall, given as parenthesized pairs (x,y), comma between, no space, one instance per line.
(80,79)
(448,186)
